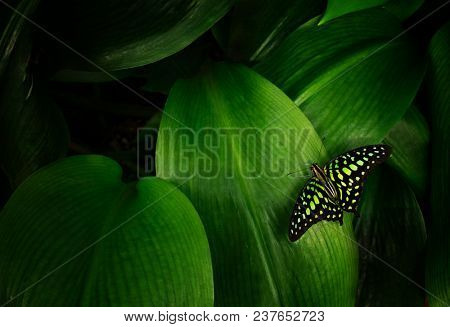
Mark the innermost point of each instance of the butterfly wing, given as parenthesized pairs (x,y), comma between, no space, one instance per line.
(349,171)
(312,206)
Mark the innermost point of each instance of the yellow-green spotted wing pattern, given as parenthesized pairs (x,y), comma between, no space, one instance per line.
(349,171)
(312,206)
(346,175)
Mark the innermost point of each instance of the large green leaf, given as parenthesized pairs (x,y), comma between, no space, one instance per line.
(32,129)
(74,234)
(348,76)
(218,129)
(117,34)
(391,231)
(438,265)
(410,138)
(254,28)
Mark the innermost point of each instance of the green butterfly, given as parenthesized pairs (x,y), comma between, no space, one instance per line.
(335,188)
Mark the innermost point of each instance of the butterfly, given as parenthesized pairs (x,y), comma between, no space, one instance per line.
(335,188)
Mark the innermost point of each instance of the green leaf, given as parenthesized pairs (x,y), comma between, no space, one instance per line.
(239,185)
(253,28)
(73,234)
(13,27)
(123,34)
(336,8)
(350,77)
(33,131)
(438,263)
(410,138)
(400,8)
(391,228)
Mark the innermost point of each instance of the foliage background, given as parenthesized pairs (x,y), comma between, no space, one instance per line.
(78,78)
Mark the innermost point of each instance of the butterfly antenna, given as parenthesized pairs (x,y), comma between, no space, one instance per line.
(299,171)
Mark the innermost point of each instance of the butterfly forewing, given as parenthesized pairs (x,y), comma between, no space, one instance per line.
(312,206)
(349,171)
(352,167)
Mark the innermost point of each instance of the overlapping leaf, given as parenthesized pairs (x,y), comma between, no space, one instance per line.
(11,27)
(32,129)
(117,34)
(351,77)
(438,263)
(254,27)
(160,76)
(336,8)
(410,138)
(400,8)
(391,231)
(219,130)
(74,234)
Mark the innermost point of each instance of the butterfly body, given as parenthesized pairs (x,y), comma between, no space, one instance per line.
(335,188)
(329,186)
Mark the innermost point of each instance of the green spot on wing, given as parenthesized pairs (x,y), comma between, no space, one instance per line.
(316,199)
(347,171)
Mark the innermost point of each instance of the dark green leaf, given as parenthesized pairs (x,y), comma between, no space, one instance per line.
(255,27)
(32,130)
(350,78)
(403,8)
(390,228)
(241,190)
(14,25)
(80,236)
(160,76)
(409,139)
(438,265)
(336,8)
(400,8)
(117,34)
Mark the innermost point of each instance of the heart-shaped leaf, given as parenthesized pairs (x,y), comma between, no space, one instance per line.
(391,231)
(74,234)
(438,265)
(253,28)
(33,131)
(219,129)
(350,77)
(117,34)
(409,138)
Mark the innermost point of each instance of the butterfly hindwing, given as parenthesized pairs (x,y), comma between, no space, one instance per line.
(312,206)
(349,198)
(349,171)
